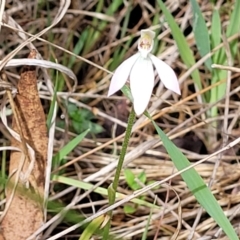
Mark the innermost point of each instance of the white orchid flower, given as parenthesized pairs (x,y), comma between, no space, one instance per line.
(139,70)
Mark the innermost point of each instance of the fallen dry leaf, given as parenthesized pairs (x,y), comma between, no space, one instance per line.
(25,213)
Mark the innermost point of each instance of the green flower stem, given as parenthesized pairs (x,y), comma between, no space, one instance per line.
(112,189)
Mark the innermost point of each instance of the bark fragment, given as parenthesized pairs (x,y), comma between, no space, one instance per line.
(25,213)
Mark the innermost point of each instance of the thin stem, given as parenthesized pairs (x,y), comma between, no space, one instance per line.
(112,189)
(131,119)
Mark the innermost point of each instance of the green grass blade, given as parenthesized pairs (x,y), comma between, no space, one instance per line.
(200,31)
(92,228)
(99,190)
(197,186)
(184,50)
(69,147)
(234,23)
(91,31)
(119,55)
(78,48)
(216,32)
(126,20)
(113,7)
(157,44)
(54,99)
(220,56)
(144,236)
(120,52)
(233,28)
(217,74)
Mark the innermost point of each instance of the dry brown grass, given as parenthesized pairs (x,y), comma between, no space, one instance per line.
(181,117)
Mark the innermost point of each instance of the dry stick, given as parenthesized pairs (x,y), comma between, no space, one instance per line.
(18,173)
(227,68)
(165,205)
(57,47)
(163,211)
(234,120)
(141,191)
(105,70)
(136,193)
(195,66)
(47,224)
(64,4)
(201,61)
(2,6)
(153,142)
(227,98)
(225,136)
(226,112)
(129,198)
(138,127)
(68,207)
(236,90)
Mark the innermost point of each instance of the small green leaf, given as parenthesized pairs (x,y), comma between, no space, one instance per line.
(81,120)
(128,209)
(129,176)
(94,128)
(130,179)
(142,177)
(74,112)
(69,147)
(127,92)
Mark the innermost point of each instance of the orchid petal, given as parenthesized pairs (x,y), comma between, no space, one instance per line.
(166,74)
(141,84)
(121,74)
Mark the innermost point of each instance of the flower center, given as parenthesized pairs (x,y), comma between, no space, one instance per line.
(145,42)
